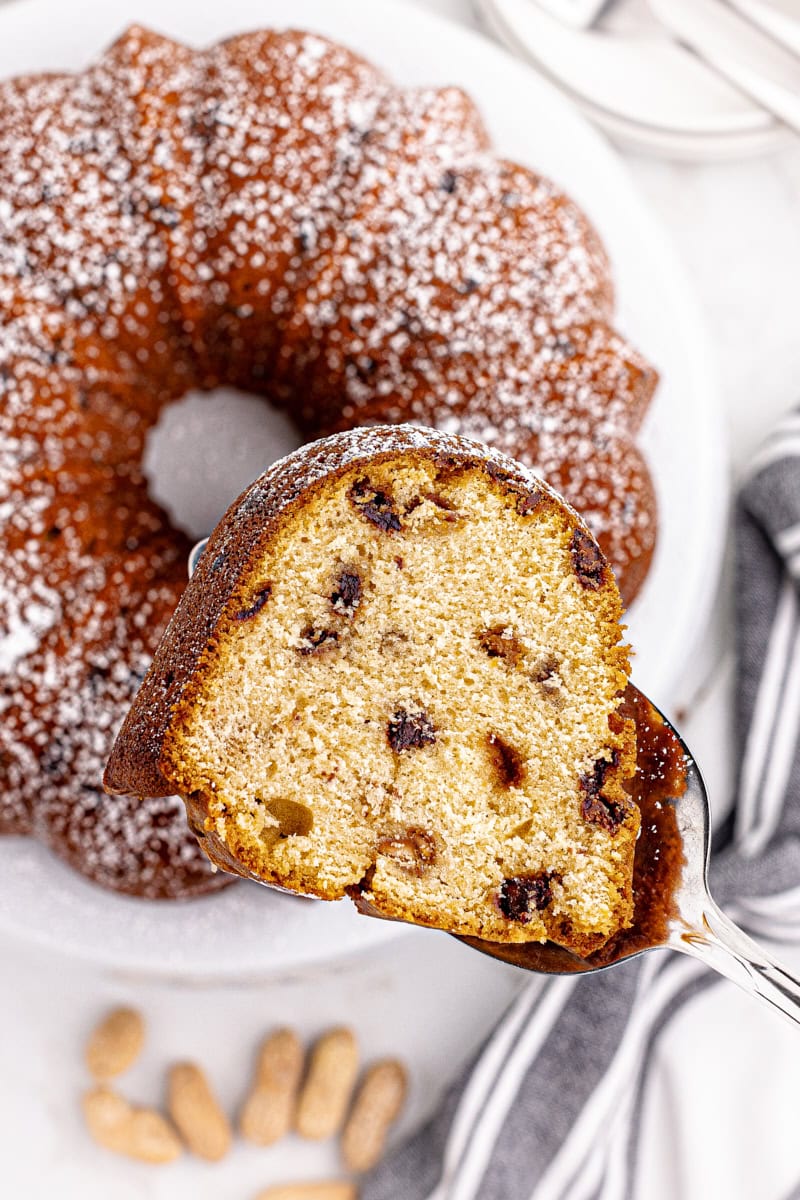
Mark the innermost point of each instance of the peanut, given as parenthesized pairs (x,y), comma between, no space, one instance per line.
(331,1189)
(328,1086)
(196,1112)
(140,1133)
(377,1105)
(269,1108)
(115,1044)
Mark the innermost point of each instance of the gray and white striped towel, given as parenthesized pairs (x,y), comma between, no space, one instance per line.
(550,1108)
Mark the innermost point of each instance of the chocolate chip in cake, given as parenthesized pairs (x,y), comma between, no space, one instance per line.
(522,895)
(508,763)
(499,473)
(529,503)
(346,596)
(587,559)
(447,507)
(528,496)
(593,783)
(393,641)
(545,673)
(597,808)
(414,850)
(449,182)
(440,502)
(410,730)
(314,641)
(294,819)
(499,642)
(255,605)
(544,669)
(375,505)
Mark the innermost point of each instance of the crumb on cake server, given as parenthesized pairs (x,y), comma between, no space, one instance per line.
(396,674)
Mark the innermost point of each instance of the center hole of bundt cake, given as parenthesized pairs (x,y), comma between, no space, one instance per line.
(206,448)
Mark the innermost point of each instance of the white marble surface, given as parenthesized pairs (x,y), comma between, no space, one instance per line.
(736,227)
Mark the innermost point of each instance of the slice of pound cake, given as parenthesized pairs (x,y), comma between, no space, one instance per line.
(396,675)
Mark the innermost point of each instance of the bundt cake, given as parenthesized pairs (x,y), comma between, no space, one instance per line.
(270,213)
(396,672)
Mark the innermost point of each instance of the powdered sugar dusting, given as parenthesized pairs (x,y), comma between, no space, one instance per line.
(26,622)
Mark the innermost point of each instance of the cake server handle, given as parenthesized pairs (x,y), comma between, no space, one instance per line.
(719,943)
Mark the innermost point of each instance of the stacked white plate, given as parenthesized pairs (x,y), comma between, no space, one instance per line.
(628,74)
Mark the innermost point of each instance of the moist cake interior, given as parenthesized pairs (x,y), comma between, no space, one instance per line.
(424,711)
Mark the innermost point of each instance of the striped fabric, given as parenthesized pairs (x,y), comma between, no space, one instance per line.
(550,1107)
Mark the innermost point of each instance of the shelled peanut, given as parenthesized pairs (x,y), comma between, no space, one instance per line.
(326,1093)
(269,1108)
(196,1113)
(115,1043)
(376,1107)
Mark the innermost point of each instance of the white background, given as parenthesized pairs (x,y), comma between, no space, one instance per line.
(722,1111)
